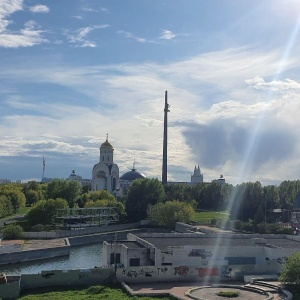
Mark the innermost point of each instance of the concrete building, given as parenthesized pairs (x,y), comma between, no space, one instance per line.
(4,181)
(78,178)
(197,177)
(220,180)
(194,256)
(105,174)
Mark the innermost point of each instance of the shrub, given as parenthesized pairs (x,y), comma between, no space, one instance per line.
(238,225)
(37,228)
(213,222)
(291,271)
(248,226)
(12,232)
(228,294)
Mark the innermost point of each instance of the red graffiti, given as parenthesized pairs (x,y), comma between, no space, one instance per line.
(181,271)
(208,272)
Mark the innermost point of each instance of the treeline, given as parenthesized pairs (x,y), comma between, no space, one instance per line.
(246,201)
(43,200)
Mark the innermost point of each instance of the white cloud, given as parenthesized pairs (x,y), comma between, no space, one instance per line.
(129,35)
(275,85)
(89,9)
(28,36)
(167,35)
(79,36)
(25,37)
(103,9)
(127,100)
(8,7)
(40,9)
(78,17)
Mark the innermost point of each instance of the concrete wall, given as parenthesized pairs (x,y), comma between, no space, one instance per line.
(78,232)
(192,273)
(82,277)
(125,254)
(11,290)
(96,238)
(66,278)
(15,257)
(182,254)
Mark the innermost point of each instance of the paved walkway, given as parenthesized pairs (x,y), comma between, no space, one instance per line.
(176,289)
(212,294)
(21,245)
(179,289)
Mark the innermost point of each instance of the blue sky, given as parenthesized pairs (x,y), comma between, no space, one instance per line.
(72,71)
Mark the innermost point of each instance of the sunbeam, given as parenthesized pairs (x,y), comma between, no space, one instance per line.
(253,143)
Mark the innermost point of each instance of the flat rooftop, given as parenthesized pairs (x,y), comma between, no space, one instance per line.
(164,242)
(128,244)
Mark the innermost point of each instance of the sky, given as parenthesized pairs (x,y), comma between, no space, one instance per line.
(73,71)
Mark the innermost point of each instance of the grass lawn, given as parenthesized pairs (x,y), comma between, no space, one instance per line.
(22,211)
(90,293)
(204,217)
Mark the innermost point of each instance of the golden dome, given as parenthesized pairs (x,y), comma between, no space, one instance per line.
(107,144)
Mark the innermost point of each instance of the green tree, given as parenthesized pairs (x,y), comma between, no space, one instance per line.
(141,193)
(44,212)
(66,189)
(180,192)
(291,270)
(17,199)
(12,232)
(97,195)
(120,207)
(271,201)
(6,208)
(32,197)
(168,213)
(33,192)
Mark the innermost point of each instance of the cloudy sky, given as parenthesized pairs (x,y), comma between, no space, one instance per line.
(72,71)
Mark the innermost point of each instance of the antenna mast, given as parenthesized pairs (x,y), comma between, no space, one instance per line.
(165,142)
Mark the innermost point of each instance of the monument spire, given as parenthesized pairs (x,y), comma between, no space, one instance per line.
(165,142)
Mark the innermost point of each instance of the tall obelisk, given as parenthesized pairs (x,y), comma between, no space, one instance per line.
(164,178)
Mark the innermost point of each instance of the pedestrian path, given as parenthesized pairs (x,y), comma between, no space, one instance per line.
(182,290)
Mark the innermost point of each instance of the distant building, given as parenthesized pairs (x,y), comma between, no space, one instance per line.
(105,174)
(46,179)
(127,178)
(83,182)
(197,177)
(221,180)
(4,181)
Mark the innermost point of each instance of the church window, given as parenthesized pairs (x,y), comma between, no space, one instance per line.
(103,157)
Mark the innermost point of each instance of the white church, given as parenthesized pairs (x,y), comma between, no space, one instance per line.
(105,174)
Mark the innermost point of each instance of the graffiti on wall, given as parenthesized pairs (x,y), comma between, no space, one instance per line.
(147,272)
(208,271)
(83,276)
(181,270)
(225,271)
(247,268)
(162,270)
(200,253)
(48,275)
(282,260)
